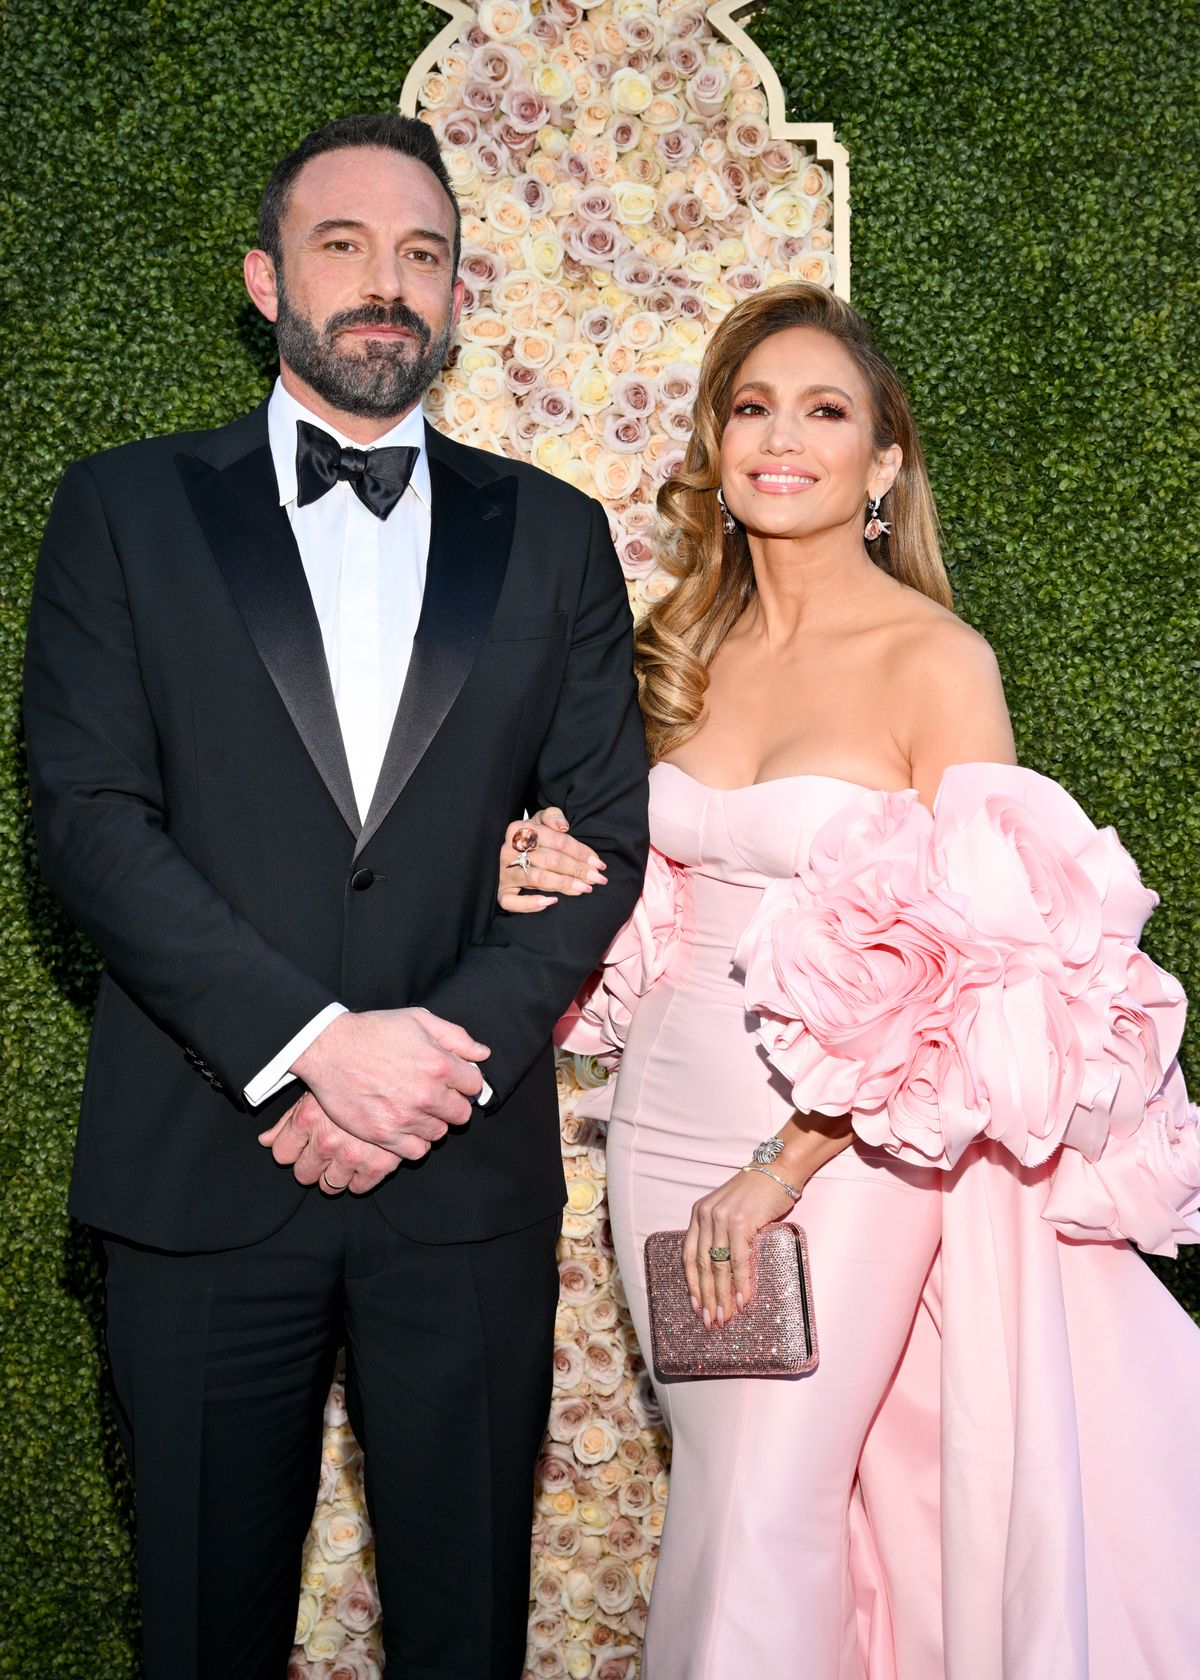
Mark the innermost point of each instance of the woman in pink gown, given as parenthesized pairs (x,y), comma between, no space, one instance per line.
(870,936)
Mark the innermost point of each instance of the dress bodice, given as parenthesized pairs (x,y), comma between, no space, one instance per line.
(748,835)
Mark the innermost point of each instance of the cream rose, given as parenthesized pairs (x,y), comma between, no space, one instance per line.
(579,1595)
(340,1533)
(435,92)
(636,204)
(550,452)
(307,1615)
(578,1660)
(595,1442)
(325,1640)
(615,476)
(504,20)
(784,211)
(630,92)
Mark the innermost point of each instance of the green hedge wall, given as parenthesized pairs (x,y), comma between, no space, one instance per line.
(1025,230)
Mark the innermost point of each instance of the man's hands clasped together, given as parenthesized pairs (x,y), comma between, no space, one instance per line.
(383,1086)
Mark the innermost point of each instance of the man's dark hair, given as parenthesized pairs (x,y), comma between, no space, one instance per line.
(388,131)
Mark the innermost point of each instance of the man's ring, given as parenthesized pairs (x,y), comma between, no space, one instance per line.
(336,1188)
(718,1254)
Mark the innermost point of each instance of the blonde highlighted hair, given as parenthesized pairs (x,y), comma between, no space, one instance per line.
(678,639)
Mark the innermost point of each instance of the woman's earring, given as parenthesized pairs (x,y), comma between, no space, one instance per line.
(876,527)
(728,522)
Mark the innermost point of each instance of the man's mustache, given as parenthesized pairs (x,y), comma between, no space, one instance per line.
(380,315)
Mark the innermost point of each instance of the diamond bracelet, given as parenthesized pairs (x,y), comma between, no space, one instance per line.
(756,1166)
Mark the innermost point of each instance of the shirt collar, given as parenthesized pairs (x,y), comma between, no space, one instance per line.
(283,411)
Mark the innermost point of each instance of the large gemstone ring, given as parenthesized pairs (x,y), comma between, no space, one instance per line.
(719,1253)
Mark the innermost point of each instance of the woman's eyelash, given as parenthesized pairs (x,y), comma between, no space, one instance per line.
(828,407)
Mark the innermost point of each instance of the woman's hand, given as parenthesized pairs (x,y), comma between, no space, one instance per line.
(556,863)
(729,1216)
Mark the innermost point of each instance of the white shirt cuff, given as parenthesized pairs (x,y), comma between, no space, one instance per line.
(277,1072)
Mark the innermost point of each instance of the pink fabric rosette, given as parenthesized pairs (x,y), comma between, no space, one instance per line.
(975,974)
(597,1022)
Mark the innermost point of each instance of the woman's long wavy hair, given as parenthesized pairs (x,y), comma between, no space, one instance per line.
(677,640)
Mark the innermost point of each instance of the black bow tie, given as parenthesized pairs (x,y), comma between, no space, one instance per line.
(378,477)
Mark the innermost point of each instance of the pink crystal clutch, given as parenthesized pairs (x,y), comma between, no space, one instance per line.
(775,1336)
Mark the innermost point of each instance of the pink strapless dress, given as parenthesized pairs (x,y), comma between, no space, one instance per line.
(994,1472)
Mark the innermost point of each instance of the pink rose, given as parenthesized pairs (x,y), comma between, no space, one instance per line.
(617,1666)
(597,204)
(685,57)
(554,410)
(489,157)
(480,97)
(575,1283)
(707,89)
(744,280)
(555,1470)
(778,159)
(526,110)
(547,1629)
(491,62)
(482,267)
(633,394)
(358,1604)
(568,1365)
(678,383)
(637,556)
(664,77)
(626,132)
(747,136)
(685,211)
(534,193)
(735,176)
(596,325)
(458,129)
(676,145)
(635,273)
(517,141)
(355,1662)
(520,377)
(627,1539)
(547,31)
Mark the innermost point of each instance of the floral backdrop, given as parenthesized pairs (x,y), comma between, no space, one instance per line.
(621,189)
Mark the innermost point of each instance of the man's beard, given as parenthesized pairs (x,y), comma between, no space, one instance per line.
(383,378)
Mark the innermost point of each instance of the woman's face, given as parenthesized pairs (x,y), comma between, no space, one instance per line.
(797,453)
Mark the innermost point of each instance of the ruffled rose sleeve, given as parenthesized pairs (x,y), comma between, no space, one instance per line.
(976,974)
(597,1022)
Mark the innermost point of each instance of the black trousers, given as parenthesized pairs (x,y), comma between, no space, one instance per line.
(221,1364)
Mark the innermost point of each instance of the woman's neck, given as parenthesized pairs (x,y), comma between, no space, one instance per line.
(805,586)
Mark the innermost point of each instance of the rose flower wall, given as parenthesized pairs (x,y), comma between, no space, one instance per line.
(620,190)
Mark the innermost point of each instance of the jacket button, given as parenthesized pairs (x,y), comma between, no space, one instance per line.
(362,879)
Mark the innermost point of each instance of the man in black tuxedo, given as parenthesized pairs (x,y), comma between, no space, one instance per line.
(287,683)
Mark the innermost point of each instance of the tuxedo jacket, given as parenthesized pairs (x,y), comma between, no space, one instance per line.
(194,813)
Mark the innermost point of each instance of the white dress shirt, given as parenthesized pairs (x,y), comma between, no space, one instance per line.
(367,580)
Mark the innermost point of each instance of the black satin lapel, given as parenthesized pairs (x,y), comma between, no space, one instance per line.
(248,531)
(469,544)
